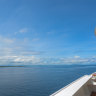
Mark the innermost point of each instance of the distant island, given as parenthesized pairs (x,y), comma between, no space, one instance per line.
(11,66)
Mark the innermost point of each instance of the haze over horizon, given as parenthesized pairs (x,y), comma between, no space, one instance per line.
(47,32)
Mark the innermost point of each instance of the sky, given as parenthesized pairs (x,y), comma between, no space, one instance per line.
(47,32)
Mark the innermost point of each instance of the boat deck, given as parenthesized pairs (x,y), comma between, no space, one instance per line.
(93,94)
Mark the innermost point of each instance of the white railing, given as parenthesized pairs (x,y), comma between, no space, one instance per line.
(72,88)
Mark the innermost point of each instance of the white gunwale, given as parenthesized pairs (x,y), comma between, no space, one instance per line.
(73,87)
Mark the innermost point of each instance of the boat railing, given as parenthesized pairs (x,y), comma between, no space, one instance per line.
(72,87)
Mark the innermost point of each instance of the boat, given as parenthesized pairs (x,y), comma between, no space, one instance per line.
(84,86)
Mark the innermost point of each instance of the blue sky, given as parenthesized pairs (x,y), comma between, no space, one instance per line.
(47,31)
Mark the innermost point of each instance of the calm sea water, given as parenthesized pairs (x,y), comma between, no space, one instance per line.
(39,80)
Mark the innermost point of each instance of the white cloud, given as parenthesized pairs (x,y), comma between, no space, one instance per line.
(27,59)
(19,60)
(76,56)
(48,61)
(13,51)
(34,60)
(78,60)
(23,30)
(6,40)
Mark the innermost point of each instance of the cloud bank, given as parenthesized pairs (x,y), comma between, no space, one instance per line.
(17,52)
(33,60)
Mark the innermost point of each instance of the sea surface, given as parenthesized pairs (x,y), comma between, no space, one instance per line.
(39,80)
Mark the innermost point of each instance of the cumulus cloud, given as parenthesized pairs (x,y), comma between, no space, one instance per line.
(78,60)
(17,51)
(13,51)
(37,60)
(22,60)
(52,61)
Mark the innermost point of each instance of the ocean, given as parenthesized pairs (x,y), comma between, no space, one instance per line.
(39,80)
